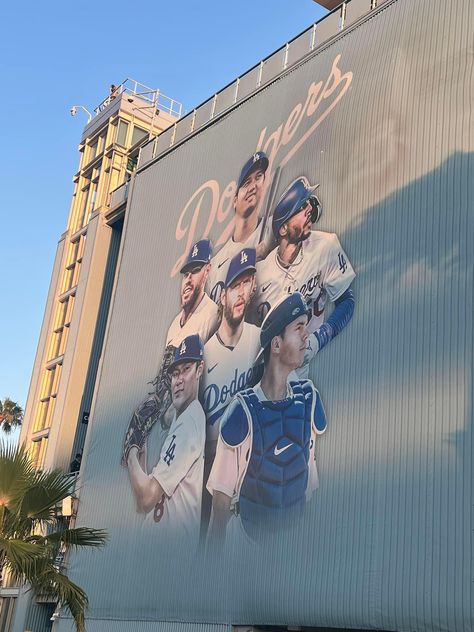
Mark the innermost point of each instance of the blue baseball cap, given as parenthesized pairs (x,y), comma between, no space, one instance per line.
(200,252)
(191,349)
(284,312)
(243,261)
(296,195)
(258,161)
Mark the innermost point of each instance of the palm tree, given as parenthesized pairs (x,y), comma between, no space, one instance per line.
(34,538)
(11,415)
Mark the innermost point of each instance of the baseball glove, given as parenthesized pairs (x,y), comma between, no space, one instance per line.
(151,410)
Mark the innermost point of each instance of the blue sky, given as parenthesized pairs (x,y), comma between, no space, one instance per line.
(57,54)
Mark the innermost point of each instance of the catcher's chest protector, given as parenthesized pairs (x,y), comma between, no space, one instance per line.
(273,490)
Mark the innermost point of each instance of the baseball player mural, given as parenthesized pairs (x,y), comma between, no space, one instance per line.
(198,315)
(171,493)
(246,233)
(311,262)
(265,470)
(231,351)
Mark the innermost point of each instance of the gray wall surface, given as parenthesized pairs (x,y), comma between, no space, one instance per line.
(386,541)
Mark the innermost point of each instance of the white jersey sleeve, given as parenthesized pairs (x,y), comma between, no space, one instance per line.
(183,446)
(230,464)
(337,271)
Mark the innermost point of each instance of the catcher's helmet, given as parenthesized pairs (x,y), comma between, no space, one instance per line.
(296,195)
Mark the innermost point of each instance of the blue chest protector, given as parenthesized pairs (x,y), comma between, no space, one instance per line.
(274,487)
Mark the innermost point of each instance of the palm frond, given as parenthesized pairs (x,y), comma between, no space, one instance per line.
(33,536)
(48,489)
(11,415)
(82,536)
(16,472)
(55,584)
(20,556)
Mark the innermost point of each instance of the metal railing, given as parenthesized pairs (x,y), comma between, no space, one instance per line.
(119,195)
(261,74)
(154,97)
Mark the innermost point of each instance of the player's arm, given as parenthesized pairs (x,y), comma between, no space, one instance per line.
(341,315)
(146,489)
(227,470)
(221,503)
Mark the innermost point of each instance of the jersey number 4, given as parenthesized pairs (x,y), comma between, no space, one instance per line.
(169,455)
(342,262)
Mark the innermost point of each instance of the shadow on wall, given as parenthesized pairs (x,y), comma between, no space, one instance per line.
(386,541)
(390,526)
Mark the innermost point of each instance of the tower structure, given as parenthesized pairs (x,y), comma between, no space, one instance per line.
(60,394)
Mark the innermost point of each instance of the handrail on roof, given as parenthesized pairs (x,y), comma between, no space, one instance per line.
(152,96)
(315,36)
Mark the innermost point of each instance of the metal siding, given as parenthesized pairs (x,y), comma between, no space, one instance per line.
(99,334)
(115,625)
(387,542)
(38,618)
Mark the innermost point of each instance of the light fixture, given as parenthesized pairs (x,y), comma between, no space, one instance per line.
(73,111)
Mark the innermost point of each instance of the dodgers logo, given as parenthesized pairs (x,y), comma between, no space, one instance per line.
(195,251)
(243,257)
(215,397)
(183,349)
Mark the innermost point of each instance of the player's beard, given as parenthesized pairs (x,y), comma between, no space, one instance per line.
(296,235)
(233,321)
(191,300)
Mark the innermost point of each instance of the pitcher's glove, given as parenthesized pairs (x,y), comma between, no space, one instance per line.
(151,410)
(162,381)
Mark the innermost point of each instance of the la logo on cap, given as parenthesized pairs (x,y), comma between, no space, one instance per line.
(195,251)
(243,257)
(183,348)
(255,157)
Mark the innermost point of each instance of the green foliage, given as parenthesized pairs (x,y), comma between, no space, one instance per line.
(11,415)
(34,539)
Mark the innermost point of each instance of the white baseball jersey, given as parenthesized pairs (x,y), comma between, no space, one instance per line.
(203,321)
(226,372)
(180,473)
(321,270)
(220,262)
(230,464)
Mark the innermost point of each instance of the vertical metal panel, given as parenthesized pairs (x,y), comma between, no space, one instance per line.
(355,9)
(163,141)
(248,82)
(184,127)
(273,65)
(299,46)
(146,153)
(97,344)
(113,625)
(386,542)
(38,618)
(203,114)
(225,98)
(329,27)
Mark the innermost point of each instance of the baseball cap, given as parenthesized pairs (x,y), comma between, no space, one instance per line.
(242,262)
(284,312)
(190,350)
(259,160)
(200,252)
(296,195)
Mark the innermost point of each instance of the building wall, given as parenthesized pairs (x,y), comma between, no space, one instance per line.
(386,540)
(108,155)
